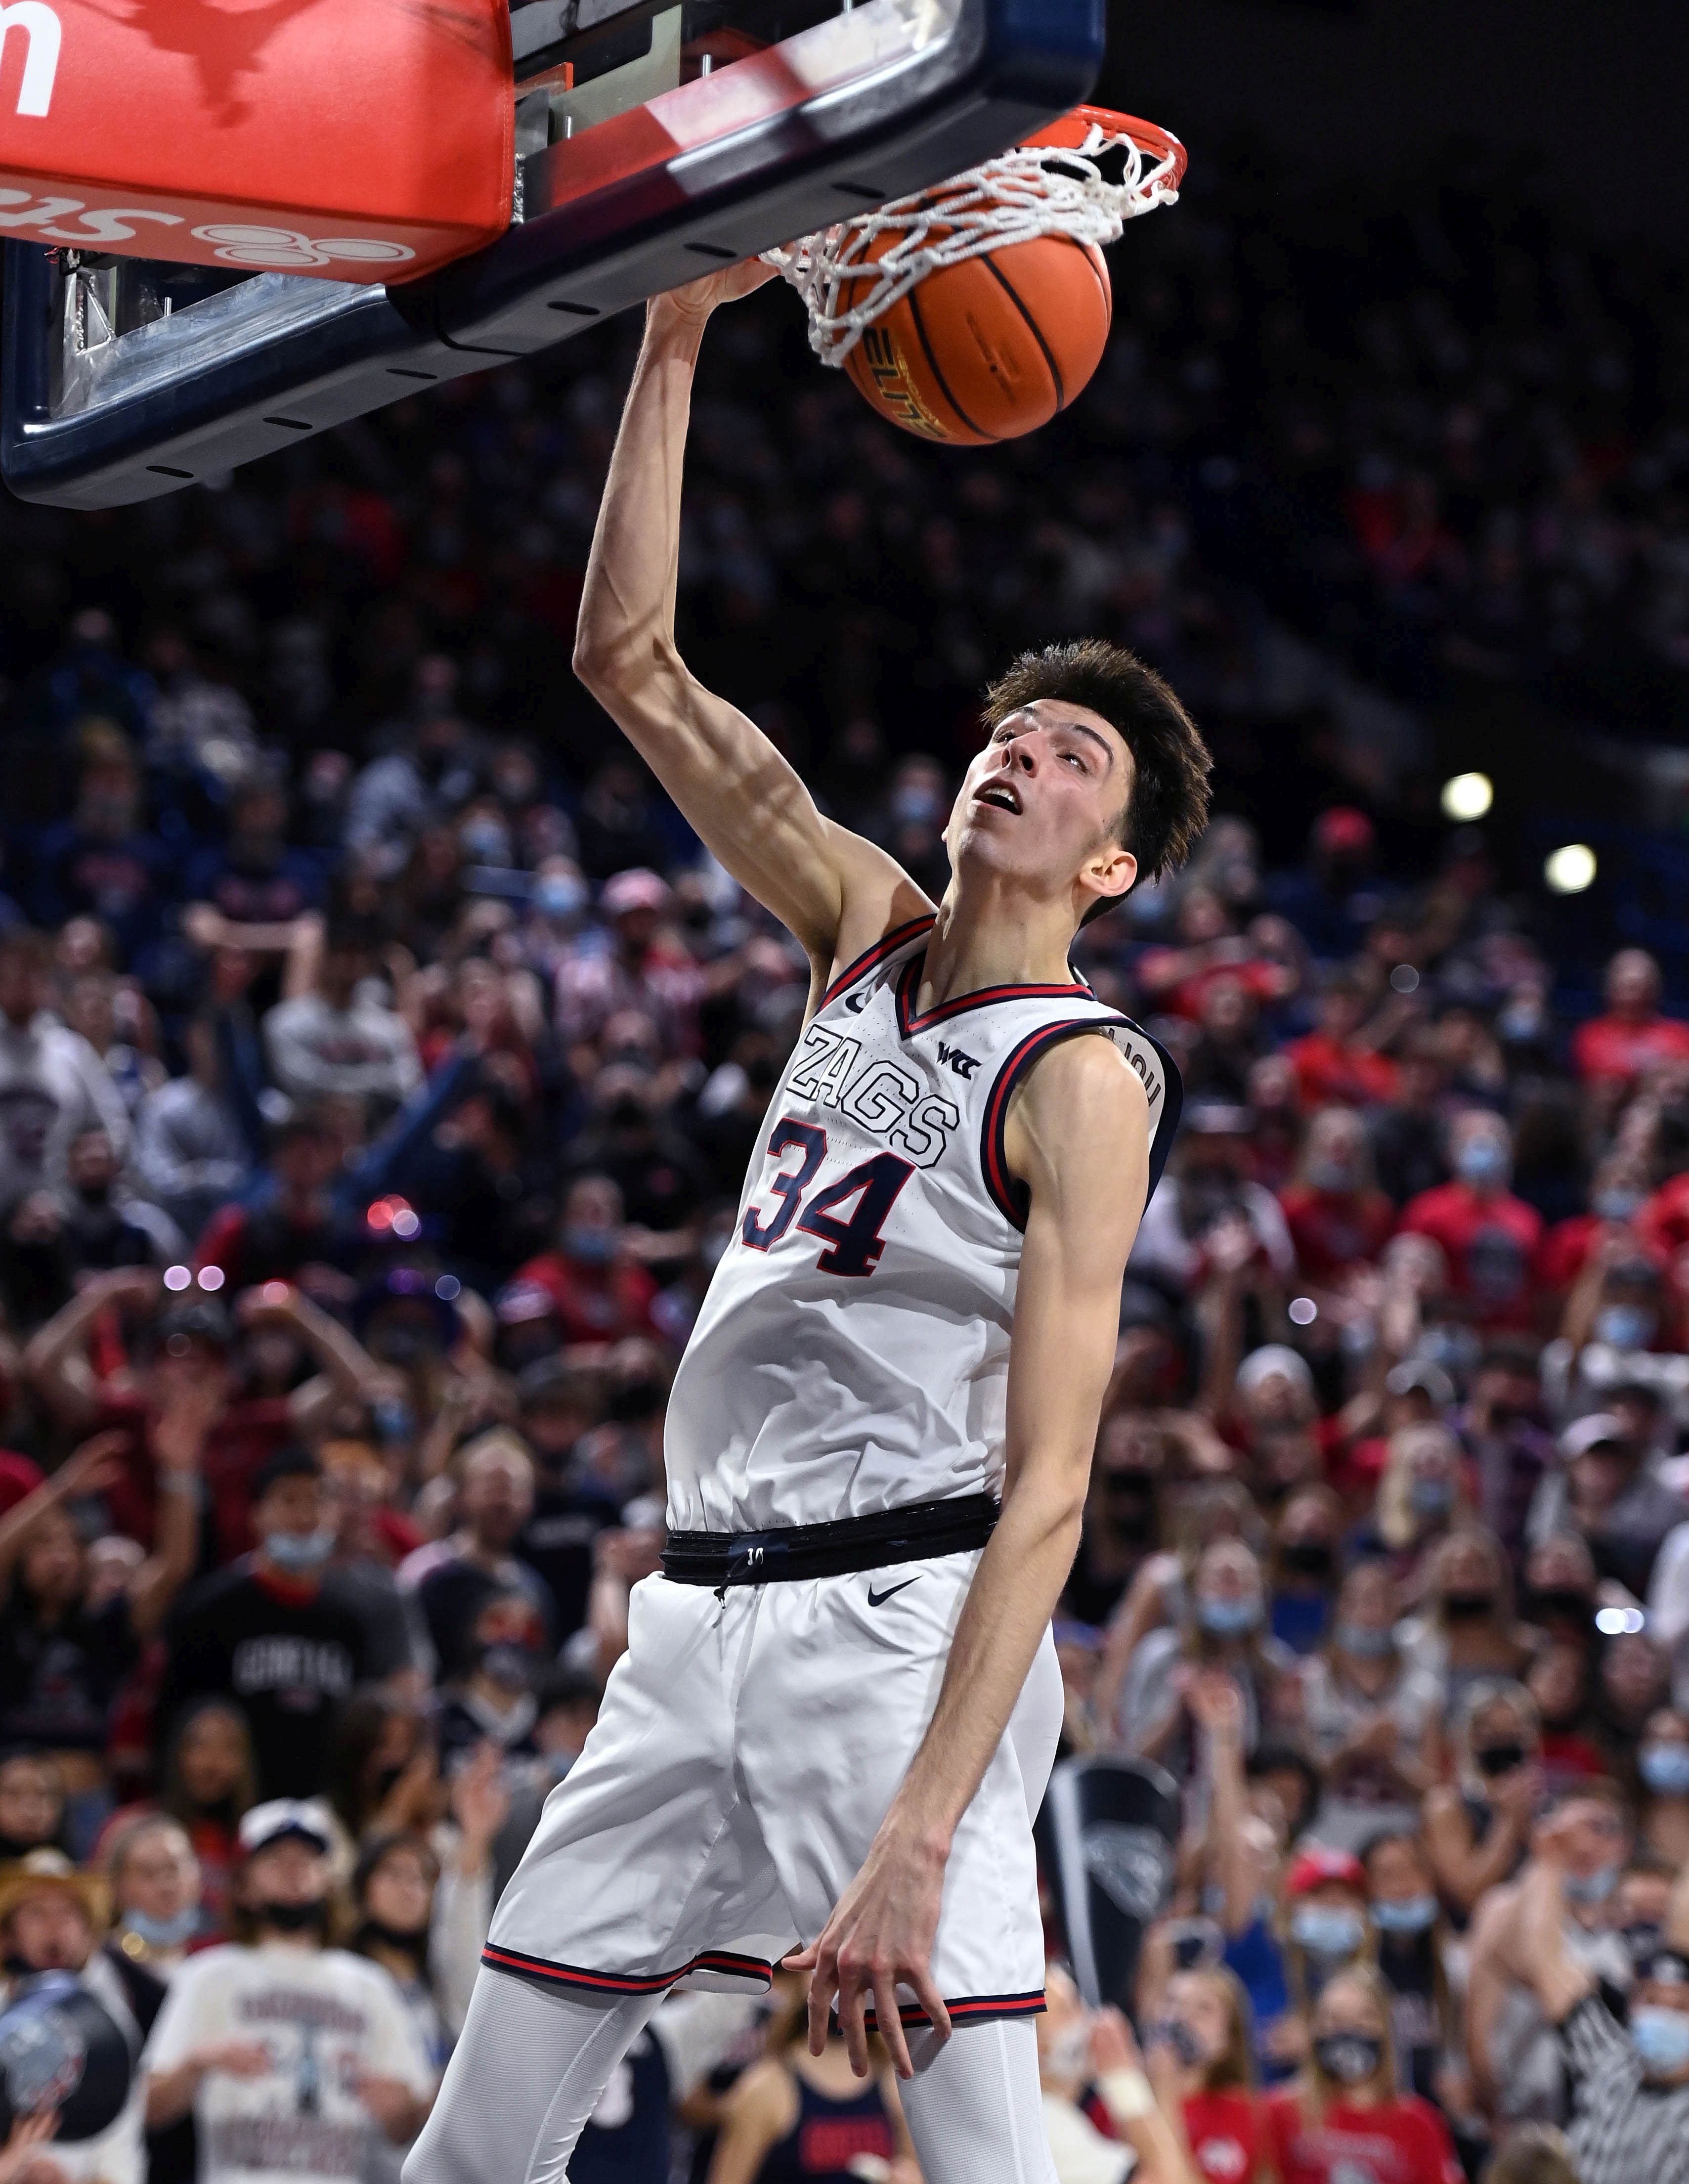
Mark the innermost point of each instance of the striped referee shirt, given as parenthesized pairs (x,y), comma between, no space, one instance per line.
(1624,2129)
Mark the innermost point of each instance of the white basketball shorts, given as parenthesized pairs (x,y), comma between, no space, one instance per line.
(748,1747)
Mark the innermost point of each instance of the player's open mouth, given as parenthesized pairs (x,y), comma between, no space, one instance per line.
(1001,794)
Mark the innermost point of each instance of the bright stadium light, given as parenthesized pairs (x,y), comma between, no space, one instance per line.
(1571,869)
(1468,796)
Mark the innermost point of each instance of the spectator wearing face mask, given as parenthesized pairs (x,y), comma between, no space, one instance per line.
(1630,2084)
(292,2056)
(1603,1492)
(1478,1826)
(1610,1052)
(1339,1218)
(154,1881)
(1489,1237)
(495,1700)
(1202,2025)
(1083,2051)
(1507,1445)
(1324,1922)
(276,1631)
(1345,2113)
(599,1292)
(335,1039)
(1561,1680)
(1663,1768)
(1411,1947)
(53,1085)
(1208,1180)
(1303,1567)
(454,1578)
(1410,1135)
(1516,2064)
(1466,1633)
(1224,1629)
(1336,1063)
(1122,1521)
(1370,1719)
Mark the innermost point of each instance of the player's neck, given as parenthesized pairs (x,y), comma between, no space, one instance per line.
(994,935)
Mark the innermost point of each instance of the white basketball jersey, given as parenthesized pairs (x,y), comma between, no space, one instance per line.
(852,1354)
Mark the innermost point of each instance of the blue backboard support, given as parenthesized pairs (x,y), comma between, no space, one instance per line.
(128,380)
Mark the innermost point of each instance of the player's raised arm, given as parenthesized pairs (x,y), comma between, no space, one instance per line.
(836,892)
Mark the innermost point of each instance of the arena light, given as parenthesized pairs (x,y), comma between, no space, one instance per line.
(1468,796)
(1303,1312)
(1569,869)
(1619,1622)
(178,1278)
(211,1277)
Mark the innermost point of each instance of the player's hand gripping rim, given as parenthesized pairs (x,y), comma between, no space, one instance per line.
(880,1936)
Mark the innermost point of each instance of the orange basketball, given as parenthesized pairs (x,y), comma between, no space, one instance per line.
(987,349)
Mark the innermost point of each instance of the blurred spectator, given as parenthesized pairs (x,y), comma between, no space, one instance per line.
(53,1086)
(456,1577)
(1488,1237)
(1612,1051)
(338,1038)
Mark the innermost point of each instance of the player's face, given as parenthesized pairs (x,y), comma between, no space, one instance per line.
(1038,802)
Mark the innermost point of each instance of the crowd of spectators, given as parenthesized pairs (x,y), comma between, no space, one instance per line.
(380,1062)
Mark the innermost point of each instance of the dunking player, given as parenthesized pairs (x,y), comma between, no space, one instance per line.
(840,1702)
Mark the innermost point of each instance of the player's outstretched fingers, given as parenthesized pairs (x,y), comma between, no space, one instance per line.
(930,2000)
(888,2022)
(823,1979)
(855,1987)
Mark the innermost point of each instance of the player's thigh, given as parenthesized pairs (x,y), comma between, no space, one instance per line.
(607,1873)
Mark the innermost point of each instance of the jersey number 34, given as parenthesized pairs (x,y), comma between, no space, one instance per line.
(855,1244)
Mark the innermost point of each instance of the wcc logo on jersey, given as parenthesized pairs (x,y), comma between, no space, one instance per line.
(879,1095)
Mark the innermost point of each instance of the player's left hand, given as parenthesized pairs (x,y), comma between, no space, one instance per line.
(880,1936)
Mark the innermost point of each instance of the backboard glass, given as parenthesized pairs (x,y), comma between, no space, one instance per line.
(653,139)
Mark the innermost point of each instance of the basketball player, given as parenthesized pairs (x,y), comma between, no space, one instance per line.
(840,1701)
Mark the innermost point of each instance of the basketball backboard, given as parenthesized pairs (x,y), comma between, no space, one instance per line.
(652,140)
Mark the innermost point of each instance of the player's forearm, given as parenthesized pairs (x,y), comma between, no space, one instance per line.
(1008,1608)
(626,634)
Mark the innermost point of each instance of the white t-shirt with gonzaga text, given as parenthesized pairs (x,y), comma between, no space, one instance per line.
(328,2019)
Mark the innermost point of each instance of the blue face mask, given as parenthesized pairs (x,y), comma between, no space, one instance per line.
(1625,1326)
(593,1247)
(1366,1645)
(1665,1768)
(165,1933)
(1411,1917)
(300,1553)
(1482,1163)
(558,896)
(1616,1204)
(1661,2039)
(1430,1497)
(1325,1931)
(1598,1886)
(1227,1618)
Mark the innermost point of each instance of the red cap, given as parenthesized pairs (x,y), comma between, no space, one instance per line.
(1318,1867)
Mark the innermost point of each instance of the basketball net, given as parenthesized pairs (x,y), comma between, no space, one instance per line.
(1041,189)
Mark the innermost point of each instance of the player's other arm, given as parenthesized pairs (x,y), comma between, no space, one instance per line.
(836,892)
(1078,1135)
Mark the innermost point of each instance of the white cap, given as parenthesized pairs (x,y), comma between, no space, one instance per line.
(1595,1431)
(268,1823)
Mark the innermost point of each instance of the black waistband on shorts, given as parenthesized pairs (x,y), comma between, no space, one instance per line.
(796,1552)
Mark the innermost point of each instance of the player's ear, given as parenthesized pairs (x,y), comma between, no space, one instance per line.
(1108,872)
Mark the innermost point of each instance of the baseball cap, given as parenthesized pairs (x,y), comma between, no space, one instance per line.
(639,888)
(1599,1429)
(281,1817)
(1317,1867)
(1419,1373)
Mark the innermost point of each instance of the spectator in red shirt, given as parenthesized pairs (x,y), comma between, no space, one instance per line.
(1205,2026)
(1610,1052)
(1333,1064)
(599,1292)
(1338,1218)
(1489,1237)
(1344,2117)
(1206,948)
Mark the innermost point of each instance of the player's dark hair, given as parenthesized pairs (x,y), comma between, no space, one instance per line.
(1161,820)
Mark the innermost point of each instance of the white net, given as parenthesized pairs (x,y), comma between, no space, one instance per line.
(1039,190)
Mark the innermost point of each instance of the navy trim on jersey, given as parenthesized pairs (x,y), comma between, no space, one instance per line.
(888,944)
(970,2010)
(1008,1194)
(908,1021)
(574,1975)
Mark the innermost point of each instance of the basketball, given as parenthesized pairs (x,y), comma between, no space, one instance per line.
(987,349)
